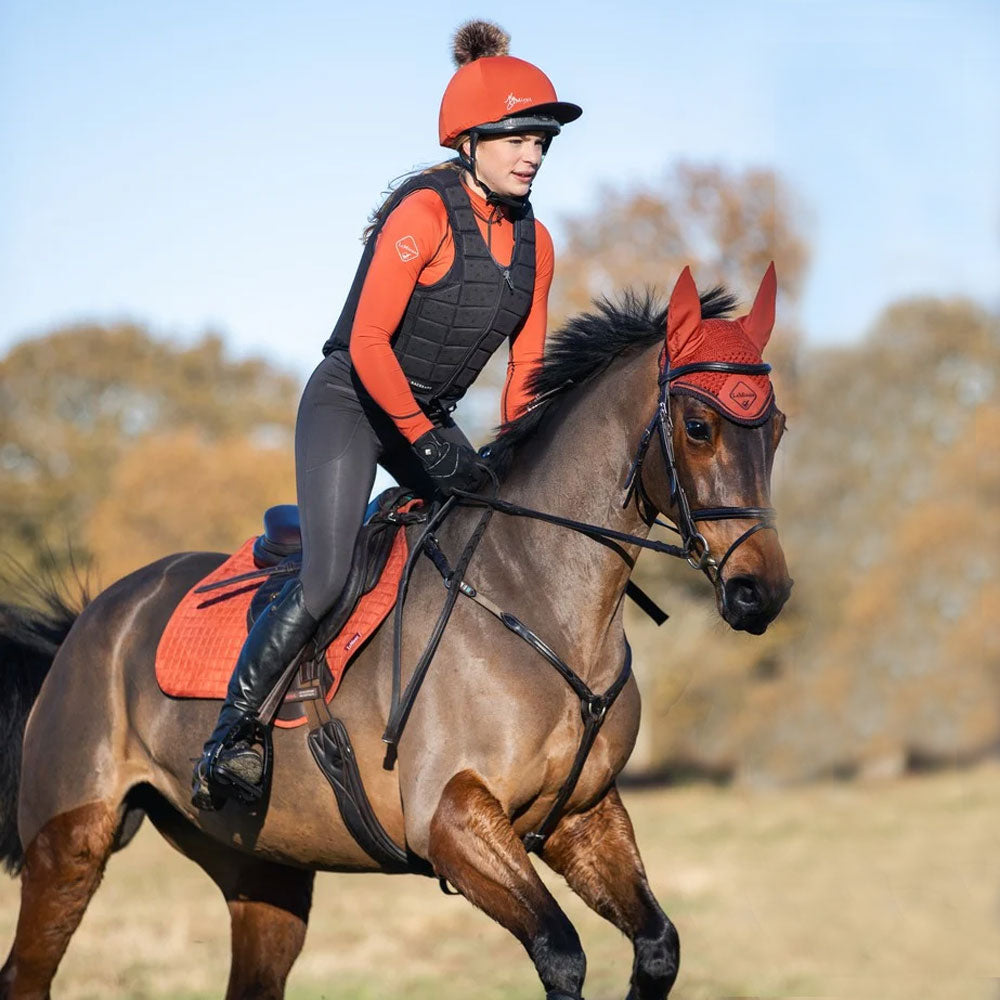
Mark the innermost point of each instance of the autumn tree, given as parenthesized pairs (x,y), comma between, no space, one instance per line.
(726,224)
(180,491)
(74,403)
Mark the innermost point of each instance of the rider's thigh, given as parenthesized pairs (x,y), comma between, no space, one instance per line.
(336,452)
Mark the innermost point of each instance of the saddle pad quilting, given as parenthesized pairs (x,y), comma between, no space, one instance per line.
(199,646)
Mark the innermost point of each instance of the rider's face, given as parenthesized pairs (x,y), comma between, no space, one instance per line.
(508,163)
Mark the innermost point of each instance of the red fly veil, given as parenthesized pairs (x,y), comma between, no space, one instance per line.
(747,399)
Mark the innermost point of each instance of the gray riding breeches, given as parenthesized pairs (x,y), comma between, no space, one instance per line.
(341,434)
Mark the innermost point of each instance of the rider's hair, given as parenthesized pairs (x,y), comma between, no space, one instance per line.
(388,202)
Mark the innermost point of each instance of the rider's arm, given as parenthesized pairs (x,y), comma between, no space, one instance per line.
(408,242)
(528,346)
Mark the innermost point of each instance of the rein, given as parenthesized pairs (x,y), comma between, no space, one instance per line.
(694,547)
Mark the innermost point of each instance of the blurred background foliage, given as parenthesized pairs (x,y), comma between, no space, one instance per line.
(118,446)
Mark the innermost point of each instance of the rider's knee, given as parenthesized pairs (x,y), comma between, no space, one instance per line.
(321,590)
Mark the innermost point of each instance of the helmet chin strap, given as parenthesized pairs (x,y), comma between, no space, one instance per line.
(492,198)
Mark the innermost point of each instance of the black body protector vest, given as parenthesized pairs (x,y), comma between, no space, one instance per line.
(451,328)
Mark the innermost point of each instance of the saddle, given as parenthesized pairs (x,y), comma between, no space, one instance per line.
(280,549)
(203,637)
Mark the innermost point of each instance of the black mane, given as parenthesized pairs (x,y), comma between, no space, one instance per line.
(586,345)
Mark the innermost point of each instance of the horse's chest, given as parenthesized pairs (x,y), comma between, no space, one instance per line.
(540,777)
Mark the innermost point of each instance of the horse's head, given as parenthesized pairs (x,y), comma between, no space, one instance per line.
(718,428)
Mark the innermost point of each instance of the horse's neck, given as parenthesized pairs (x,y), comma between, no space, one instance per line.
(577,469)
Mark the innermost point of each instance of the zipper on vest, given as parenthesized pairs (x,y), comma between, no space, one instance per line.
(505,271)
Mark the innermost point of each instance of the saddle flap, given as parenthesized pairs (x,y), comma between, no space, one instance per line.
(371,551)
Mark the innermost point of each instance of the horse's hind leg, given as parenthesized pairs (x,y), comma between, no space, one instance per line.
(63,866)
(596,853)
(268,906)
(474,847)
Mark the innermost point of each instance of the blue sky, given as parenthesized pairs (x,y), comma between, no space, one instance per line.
(211,164)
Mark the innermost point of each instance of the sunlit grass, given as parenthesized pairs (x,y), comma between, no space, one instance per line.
(880,891)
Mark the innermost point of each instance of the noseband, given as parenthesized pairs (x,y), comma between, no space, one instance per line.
(693,542)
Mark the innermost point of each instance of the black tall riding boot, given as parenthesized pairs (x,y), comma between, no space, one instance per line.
(230,763)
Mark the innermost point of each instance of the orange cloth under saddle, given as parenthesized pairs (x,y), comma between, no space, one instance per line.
(199,646)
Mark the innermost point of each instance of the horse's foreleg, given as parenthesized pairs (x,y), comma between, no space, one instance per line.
(63,866)
(474,847)
(596,853)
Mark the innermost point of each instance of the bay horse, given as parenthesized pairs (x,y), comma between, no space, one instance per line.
(494,731)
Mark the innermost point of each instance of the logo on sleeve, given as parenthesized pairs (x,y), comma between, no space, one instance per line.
(407,248)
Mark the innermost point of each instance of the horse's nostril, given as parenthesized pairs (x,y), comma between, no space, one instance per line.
(743,593)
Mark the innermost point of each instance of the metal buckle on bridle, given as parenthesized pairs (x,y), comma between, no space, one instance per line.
(702,561)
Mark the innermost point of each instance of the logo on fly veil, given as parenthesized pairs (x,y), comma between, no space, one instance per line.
(512,102)
(743,395)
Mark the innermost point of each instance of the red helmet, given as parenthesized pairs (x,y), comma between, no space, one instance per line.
(496,94)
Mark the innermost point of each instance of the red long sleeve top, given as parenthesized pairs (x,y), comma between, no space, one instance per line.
(415,246)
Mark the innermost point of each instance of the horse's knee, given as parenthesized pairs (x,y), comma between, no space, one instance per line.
(657,959)
(559,959)
(473,846)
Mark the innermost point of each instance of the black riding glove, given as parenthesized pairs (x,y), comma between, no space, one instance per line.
(451,466)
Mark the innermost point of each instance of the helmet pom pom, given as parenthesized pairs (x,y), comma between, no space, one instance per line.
(478,39)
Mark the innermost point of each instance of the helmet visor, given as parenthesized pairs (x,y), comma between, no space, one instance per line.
(548,118)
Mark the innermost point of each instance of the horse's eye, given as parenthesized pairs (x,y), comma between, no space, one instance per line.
(698,430)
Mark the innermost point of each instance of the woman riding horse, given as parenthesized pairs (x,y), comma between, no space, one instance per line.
(454,264)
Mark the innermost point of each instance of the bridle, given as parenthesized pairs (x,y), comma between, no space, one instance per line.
(694,544)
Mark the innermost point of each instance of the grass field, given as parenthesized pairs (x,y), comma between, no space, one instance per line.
(877,891)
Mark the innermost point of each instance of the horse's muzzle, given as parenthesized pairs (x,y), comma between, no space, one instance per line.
(748,604)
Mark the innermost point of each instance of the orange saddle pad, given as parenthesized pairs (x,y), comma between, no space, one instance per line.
(199,646)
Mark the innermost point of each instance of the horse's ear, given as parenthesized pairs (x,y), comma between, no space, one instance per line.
(759,322)
(683,316)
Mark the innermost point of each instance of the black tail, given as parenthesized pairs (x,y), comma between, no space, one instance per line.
(29,639)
